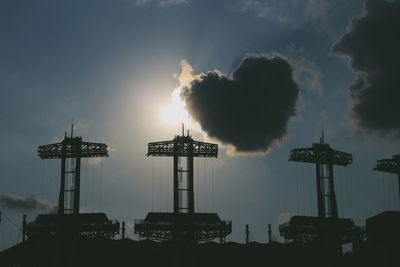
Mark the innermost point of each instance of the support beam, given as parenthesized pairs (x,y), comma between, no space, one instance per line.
(269,234)
(61,196)
(23,227)
(176,184)
(320,198)
(123,230)
(77,182)
(247,234)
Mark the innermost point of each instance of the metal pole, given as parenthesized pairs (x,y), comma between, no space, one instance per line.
(190,179)
(23,227)
(247,233)
(62,183)
(320,197)
(332,194)
(77,182)
(176,178)
(123,230)
(269,234)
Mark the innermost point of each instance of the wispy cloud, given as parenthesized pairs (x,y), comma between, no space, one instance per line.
(28,203)
(162,3)
(306,71)
(292,12)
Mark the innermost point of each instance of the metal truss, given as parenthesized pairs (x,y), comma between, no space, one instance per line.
(71,148)
(321,153)
(311,229)
(84,225)
(164,231)
(389,165)
(182,146)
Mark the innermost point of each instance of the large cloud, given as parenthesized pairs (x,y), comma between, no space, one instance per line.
(249,109)
(28,203)
(373,46)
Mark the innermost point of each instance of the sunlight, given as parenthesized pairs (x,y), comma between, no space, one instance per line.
(175,112)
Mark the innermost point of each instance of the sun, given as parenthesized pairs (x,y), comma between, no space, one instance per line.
(175,112)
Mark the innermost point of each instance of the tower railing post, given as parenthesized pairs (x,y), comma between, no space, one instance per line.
(23,228)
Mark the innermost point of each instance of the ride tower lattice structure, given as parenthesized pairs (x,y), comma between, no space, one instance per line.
(390,166)
(324,158)
(327,230)
(71,150)
(183,224)
(68,219)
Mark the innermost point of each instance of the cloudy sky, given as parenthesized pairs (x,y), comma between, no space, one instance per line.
(258,77)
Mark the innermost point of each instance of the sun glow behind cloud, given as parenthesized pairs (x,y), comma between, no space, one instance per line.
(175,112)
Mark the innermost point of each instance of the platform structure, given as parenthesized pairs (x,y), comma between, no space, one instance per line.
(68,219)
(390,166)
(183,224)
(88,225)
(327,230)
(308,229)
(198,227)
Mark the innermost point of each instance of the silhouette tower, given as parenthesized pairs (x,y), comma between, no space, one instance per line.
(324,158)
(183,224)
(183,147)
(391,166)
(327,231)
(70,151)
(69,221)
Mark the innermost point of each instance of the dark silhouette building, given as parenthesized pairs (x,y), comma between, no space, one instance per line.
(383,234)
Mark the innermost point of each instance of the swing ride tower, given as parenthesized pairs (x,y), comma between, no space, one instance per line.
(68,218)
(327,229)
(183,224)
(71,150)
(324,158)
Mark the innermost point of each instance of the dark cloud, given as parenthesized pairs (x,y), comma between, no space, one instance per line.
(251,108)
(373,47)
(28,203)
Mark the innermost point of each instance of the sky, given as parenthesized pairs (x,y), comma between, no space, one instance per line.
(258,77)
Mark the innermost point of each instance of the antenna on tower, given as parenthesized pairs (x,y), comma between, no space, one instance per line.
(322,139)
(72,126)
(183,129)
